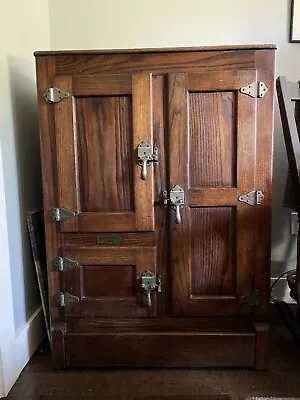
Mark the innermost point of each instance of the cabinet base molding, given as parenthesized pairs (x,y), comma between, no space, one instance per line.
(177,349)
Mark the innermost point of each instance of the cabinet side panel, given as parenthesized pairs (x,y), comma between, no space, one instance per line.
(45,75)
(263,179)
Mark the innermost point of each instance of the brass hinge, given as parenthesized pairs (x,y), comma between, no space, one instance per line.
(64,299)
(62,214)
(255,89)
(54,95)
(63,263)
(252,298)
(253,198)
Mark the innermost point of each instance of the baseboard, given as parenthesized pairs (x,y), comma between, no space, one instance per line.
(22,347)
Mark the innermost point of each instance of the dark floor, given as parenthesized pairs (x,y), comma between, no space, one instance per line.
(40,381)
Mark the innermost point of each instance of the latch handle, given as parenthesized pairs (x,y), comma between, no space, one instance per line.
(144,170)
(176,201)
(178,215)
(150,283)
(146,156)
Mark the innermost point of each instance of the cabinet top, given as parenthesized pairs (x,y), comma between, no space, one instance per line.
(157,50)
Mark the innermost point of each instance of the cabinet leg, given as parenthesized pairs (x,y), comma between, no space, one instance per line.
(261,345)
(58,347)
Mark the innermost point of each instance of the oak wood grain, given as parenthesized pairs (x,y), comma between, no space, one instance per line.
(160,349)
(212,144)
(45,72)
(156,63)
(212,250)
(104,137)
(158,50)
(143,131)
(107,281)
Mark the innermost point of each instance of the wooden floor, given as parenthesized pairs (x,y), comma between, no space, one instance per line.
(39,381)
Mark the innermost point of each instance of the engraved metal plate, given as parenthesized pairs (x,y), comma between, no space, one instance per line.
(252,299)
(109,240)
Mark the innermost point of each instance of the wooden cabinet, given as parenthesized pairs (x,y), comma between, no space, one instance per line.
(165,264)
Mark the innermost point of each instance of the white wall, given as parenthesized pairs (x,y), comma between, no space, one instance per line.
(75,24)
(24,27)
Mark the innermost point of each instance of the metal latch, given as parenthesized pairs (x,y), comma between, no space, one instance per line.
(253,198)
(54,95)
(146,155)
(252,298)
(150,283)
(65,299)
(63,263)
(62,214)
(176,201)
(255,89)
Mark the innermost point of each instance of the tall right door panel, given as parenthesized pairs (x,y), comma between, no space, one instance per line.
(212,143)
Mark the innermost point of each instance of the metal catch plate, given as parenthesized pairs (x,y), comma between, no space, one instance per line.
(54,95)
(255,89)
(253,198)
(252,299)
(63,263)
(62,214)
(65,299)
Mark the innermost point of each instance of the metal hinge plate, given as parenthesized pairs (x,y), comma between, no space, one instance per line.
(255,89)
(253,198)
(63,263)
(62,214)
(54,95)
(65,299)
(252,299)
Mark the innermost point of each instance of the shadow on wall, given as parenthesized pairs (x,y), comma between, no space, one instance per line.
(22,179)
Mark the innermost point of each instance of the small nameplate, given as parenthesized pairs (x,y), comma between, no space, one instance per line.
(109,240)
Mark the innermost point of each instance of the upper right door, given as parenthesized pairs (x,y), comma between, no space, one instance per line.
(212,143)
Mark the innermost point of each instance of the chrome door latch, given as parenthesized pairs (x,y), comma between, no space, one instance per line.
(146,155)
(150,283)
(176,201)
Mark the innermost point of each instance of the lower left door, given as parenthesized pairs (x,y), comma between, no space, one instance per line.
(106,281)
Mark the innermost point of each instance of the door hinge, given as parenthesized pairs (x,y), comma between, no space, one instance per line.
(64,299)
(54,95)
(146,155)
(253,198)
(63,263)
(252,298)
(62,214)
(255,89)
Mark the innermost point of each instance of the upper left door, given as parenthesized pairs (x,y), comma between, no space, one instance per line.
(98,129)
